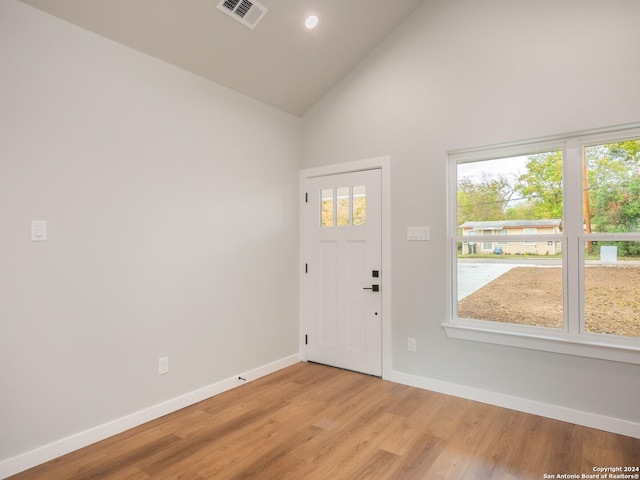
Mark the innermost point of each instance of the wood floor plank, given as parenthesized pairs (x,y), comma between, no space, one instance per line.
(314,422)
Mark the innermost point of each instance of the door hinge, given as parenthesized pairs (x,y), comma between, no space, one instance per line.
(306,339)
(306,198)
(306,268)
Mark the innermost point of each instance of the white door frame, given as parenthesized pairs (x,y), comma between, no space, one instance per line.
(384,164)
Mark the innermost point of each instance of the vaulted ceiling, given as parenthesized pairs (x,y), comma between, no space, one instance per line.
(279,63)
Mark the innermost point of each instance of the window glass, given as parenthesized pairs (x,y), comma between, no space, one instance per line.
(530,231)
(326,206)
(520,290)
(499,279)
(612,288)
(612,187)
(342,206)
(611,205)
(359,213)
(516,192)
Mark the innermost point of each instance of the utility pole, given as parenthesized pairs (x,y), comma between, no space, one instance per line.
(585,196)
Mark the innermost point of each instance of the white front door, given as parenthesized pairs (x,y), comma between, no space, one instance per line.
(343,279)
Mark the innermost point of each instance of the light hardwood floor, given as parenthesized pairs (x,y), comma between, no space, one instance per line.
(312,422)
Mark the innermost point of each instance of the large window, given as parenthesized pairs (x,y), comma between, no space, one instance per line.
(545,244)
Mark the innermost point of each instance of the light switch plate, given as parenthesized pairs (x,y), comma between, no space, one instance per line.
(418,233)
(39,231)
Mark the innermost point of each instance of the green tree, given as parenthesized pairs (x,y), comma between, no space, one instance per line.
(613,173)
(628,151)
(483,199)
(541,186)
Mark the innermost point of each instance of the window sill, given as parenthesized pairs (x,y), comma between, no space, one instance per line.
(592,346)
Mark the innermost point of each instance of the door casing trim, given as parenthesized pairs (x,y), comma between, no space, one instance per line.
(382,163)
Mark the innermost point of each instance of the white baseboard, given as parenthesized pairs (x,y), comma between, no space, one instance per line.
(35,457)
(578,417)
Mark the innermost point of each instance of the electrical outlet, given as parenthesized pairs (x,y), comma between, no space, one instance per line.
(411,344)
(163,365)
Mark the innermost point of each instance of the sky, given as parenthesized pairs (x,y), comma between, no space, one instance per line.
(504,166)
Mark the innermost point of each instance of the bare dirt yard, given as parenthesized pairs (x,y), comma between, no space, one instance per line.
(533,296)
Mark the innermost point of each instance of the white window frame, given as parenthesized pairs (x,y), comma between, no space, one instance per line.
(573,338)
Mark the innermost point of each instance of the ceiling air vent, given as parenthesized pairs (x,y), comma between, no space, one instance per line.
(248,13)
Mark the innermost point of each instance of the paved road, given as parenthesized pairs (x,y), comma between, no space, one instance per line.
(514,261)
(475,274)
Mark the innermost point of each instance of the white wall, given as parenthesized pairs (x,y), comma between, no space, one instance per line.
(172,233)
(172,211)
(467,73)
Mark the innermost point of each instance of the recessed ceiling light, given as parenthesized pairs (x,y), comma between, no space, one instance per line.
(311,22)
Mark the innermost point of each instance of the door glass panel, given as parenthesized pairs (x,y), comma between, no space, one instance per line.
(326,206)
(359,214)
(342,204)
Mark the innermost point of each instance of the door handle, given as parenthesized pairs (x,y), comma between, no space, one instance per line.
(374,288)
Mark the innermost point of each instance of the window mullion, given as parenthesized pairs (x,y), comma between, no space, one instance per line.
(573,258)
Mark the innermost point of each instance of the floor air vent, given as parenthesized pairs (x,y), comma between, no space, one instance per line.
(248,13)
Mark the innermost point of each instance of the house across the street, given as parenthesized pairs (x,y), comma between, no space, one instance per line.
(511,229)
